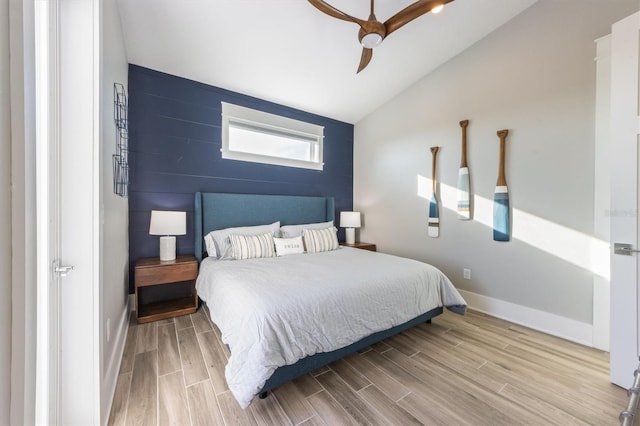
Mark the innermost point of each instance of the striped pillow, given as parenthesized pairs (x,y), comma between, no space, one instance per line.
(317,240)
(252,246)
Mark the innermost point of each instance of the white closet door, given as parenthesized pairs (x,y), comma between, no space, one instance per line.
(625,48)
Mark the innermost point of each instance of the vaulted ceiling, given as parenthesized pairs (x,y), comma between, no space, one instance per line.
(286,51)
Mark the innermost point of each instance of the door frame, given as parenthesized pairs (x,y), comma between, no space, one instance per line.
(47,212)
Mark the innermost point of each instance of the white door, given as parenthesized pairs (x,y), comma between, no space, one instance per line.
(625,53)
(68,81)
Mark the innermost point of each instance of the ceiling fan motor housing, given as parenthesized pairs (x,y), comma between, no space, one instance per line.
(372,35)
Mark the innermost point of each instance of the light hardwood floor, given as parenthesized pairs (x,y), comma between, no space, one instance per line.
(472,369)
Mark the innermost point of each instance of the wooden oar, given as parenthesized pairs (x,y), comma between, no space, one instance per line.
(434,218)
(501,225)
(464,208)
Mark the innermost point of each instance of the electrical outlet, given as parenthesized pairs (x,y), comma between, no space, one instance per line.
(108,329)
(466,273)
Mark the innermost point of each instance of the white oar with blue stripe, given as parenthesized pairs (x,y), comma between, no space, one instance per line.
(464,206)
(434,217)
(501,223)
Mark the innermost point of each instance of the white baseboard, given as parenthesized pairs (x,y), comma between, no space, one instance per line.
(566,328)
(113,367)
(601,312)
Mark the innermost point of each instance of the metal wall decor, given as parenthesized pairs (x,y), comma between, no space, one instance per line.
(121,157)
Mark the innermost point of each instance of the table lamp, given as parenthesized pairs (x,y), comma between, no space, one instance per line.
(350,221)
(168,224)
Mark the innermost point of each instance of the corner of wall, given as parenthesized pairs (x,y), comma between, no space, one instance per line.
(115,215)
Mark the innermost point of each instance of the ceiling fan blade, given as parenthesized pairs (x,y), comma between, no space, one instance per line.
(332,11)
(367,54)
(411,12)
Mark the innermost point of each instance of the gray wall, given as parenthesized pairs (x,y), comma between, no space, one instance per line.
(23,207)
(5,218)
(536,77)
(115,224)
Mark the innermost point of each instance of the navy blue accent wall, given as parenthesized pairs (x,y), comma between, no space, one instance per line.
(174,151)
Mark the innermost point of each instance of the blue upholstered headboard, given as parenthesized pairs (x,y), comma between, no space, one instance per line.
(218,211)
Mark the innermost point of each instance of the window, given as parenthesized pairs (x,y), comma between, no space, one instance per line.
(260,137)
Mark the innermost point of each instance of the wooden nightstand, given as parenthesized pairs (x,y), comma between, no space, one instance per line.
(153,272)
(360,245)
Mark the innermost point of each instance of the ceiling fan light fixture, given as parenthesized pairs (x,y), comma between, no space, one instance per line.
(371,40)
(372,31)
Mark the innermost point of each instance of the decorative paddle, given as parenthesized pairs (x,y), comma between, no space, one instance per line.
(501,225)
(464,208)
(434,218)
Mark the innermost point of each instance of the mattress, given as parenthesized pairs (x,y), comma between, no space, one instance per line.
(275,311)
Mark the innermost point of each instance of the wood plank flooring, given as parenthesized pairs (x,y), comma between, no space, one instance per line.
(464,370)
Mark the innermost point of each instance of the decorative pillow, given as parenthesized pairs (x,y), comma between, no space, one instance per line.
(285,246)
(210,245)
(252,246)
(218,244)
(290,231)
(317,240)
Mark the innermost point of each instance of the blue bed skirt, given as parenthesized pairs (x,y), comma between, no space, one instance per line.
(287,373)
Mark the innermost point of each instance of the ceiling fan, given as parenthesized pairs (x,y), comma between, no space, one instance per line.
(372,31)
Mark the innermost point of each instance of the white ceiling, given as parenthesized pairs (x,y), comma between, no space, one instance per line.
(287,51)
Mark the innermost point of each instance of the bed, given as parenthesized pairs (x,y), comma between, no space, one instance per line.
(283,317)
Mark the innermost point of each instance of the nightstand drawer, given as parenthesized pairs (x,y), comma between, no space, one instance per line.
(153,271)
(167,273)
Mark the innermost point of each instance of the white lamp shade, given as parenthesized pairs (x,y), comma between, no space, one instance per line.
(350,219)
(168,223)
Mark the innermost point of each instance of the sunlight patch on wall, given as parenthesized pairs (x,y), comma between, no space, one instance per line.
(570,245)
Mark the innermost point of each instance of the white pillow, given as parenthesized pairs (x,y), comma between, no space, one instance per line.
(317,240)
(290,231)
(285,246)
(219,246)
(210,245)
(251,246)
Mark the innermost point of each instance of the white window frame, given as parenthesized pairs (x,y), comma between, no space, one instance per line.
(271,124)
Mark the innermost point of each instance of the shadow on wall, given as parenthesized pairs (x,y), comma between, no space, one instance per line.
(577,248)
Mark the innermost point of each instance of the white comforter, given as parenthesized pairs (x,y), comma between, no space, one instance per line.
(273,312)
